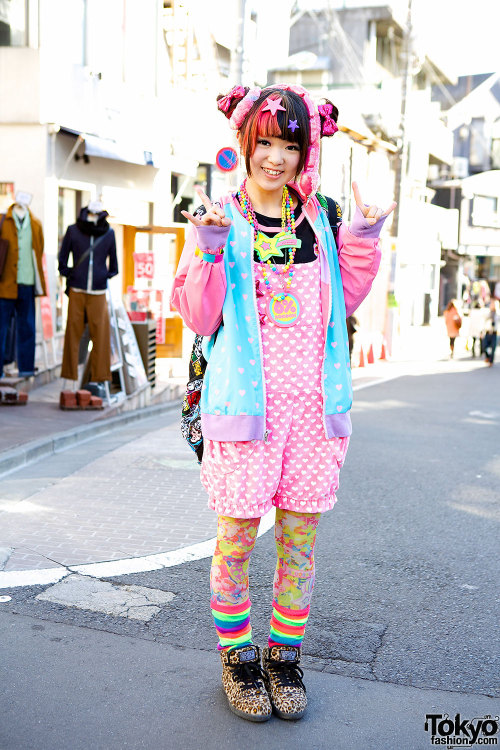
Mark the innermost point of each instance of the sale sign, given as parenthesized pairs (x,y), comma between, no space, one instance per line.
(144,265)
(46,307)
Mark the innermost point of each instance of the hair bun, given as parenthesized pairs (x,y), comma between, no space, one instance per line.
(328,115)
(227,103)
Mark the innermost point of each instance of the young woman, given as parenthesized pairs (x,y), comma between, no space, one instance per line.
(262,278)
(453,323)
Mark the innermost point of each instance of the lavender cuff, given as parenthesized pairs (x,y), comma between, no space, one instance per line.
(361,228)
(211,237)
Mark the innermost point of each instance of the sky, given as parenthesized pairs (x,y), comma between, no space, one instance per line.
(463,33)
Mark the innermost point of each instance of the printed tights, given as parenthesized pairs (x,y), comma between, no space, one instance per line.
(295,535)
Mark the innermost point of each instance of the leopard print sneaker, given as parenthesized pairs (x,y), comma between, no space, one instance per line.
(243,683)
(283,679)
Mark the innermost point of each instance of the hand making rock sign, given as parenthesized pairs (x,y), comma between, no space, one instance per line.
(371,213)
(214,215)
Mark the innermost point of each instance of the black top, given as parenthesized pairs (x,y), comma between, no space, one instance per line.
(304,232)
(78,238)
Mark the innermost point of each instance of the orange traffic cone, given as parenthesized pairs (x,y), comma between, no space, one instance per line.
(370,359)
(361,358)
(383,352)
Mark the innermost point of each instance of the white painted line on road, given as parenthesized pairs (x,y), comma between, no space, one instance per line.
(14,578)
(377,382)
(129,565)
(126,566)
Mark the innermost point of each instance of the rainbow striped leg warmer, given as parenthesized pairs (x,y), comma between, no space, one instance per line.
(232,623)
(287,626)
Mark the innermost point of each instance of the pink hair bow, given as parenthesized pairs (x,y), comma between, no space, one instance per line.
(226,101)
(328,126)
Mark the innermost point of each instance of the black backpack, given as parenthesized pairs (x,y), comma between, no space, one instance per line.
(191,413)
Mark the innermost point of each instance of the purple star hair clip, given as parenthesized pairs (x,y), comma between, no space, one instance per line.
(273,105)
(292,125)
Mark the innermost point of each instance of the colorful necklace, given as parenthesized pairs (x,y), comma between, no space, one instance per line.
(283,306)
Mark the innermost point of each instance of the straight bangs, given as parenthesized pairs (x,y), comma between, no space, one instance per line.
(262,124)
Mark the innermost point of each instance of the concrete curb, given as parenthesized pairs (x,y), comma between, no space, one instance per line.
(27,453)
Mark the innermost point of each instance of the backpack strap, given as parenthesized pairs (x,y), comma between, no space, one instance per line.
(333,211)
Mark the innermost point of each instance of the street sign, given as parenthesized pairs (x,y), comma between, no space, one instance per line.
(226,159)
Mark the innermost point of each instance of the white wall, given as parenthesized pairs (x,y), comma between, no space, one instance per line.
(19,84)
(22,161)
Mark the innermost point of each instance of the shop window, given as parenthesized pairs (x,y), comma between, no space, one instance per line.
(13,23)
(485,211)
(223,60)
(7,194)
(478,157)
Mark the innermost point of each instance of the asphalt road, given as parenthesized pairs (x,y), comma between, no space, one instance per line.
(404,619)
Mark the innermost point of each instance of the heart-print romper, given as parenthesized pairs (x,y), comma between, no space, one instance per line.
(298,467)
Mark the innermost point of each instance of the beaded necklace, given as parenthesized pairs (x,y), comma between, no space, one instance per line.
(267,247)
(284,307)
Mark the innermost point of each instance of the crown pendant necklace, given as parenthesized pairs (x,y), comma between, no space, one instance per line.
(283,307)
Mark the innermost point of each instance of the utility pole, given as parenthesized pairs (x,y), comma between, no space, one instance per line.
(240,49)
(402,156)
(392,311)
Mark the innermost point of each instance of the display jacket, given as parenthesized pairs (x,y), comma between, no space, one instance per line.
(8,280)
(78,238)
(221,297)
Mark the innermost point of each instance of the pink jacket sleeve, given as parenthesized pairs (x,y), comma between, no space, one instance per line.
(359,259)
(199,287)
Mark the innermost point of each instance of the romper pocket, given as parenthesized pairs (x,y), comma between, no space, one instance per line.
(339,448)
(229,455)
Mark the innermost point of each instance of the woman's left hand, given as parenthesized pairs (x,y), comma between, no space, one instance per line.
(371,213)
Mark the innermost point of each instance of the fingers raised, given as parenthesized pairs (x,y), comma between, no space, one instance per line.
(358,198)
(390,209)
(214,213)
(204,198)
(193,219)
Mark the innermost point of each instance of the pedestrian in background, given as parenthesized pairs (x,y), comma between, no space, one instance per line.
(477,322)
(490,343)
(262,270)
(352,327)
(453,324)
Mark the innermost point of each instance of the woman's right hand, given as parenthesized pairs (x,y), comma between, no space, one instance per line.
(214,215)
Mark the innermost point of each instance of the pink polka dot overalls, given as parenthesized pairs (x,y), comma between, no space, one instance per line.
(298,467)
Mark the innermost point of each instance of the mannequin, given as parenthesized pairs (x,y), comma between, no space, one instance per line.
(92,244)
(22,280)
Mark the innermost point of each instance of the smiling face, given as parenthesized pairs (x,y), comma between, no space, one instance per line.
(275,139)
(274,162)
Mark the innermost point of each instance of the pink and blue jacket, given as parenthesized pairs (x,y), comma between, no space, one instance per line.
(220,297)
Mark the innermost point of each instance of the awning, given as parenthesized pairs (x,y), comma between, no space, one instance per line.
(106,148)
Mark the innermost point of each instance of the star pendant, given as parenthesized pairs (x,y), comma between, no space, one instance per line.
(266,247)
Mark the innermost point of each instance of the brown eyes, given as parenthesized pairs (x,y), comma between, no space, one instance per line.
(291,146)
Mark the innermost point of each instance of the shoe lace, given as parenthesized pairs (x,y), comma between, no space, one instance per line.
(249,674)
(289,675)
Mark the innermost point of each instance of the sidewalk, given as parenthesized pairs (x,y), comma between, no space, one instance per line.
(40,427)
(383,648)
(110,485)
